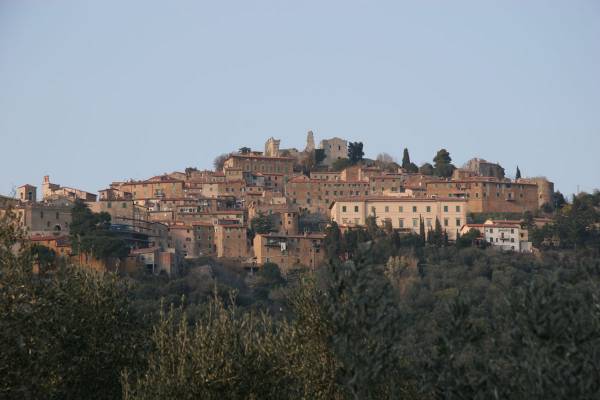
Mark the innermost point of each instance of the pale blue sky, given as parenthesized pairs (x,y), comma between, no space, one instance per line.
(96,91)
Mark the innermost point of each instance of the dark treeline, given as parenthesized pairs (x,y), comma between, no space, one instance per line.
(390,317)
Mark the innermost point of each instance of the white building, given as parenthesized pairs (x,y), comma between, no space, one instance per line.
(506,235)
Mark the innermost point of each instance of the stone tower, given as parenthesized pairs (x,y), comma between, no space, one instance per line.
(272,147)
(310,142)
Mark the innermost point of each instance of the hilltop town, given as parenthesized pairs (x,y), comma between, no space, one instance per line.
(272,206)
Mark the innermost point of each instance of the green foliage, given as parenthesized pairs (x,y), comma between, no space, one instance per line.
(442,164)
(226,354)
(407,165)
(518,174)
(575,225)
(43,256)
(262,223)
(355,152)
(63,334)
(468,239)
(426,169)
(90,232)
(340,164)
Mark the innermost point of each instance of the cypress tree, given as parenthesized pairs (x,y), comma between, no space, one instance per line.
(518,174)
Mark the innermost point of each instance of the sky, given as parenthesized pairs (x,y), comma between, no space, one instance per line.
(98,91)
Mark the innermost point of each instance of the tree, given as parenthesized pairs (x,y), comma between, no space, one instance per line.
(518,174)
(262,223)
(70,331)
(405,159)
(219,161)
(355,152)
(90,233)
(340,164)
(407,165)
(426,169)
(443,164)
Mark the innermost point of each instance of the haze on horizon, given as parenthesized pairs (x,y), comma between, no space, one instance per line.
(92,92)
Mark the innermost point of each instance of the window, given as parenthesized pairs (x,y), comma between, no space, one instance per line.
(414,208)
(415,222)
(428,209)
(401,223)
(445,208)
(445,221)
(41,214)
(457,208)
(401,209)
(57,215)
(457,221)
(343,208)
(387,209)
(124,205)
(109,205)
(355,208)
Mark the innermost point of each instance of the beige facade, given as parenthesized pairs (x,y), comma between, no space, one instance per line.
(230,240)
(42,219)
(162,186)
(316,195)
(272,147)
(52,191)
(488,195)
(290,251)
(403,212)
(254,163)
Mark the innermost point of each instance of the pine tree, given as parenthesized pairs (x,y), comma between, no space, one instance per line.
(406,159)
(518,174)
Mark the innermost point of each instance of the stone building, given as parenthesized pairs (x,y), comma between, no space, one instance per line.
(481,167)
(545,189)
(310,142)
(315,195)
(335,148)
(290,251)
(488,195)
(27,193)
(45,218)
(158,186)
(262,164)
(230,239)
(272,147)
(52,191)
(404,213)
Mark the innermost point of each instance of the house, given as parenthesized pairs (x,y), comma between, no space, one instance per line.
(404,213)
(488,195)
(230,239)
(505,235)
(53,191)
(290,251)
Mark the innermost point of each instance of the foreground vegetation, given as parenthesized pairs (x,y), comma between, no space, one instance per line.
(389,317)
